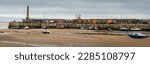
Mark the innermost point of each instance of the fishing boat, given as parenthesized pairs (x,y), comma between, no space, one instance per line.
(137,35)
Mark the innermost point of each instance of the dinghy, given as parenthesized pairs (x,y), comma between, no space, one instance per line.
(46,31)
(124,29)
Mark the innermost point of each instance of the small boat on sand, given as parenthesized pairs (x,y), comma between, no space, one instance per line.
(124,29)
(135,29)
(26,28)
(137,35)
(46,32)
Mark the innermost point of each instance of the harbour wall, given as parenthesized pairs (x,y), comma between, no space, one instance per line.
(75,25)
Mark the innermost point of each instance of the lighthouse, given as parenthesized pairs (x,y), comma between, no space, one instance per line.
(27,18)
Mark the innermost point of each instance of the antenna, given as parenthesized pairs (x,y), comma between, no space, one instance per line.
(78,16)
(44,15)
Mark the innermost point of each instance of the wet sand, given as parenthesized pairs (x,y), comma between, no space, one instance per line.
(67,38)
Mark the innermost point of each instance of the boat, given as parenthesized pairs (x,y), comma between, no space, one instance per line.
(92,28)
(26,28)
(137,35)
(124,29)
(135,29)
(146,28)
(46,32)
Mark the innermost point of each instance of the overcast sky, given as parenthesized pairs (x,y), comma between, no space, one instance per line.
(67,9)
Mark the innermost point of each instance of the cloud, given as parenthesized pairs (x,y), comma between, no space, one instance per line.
(16,9)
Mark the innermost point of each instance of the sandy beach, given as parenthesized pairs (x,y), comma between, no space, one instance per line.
(66,38)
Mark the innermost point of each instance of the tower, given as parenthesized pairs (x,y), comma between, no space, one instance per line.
(27,18)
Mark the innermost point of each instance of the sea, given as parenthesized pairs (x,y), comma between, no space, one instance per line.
(4,25)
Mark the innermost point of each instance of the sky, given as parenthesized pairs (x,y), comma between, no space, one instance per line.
(68,9)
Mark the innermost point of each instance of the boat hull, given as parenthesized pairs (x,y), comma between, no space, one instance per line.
(136,36)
